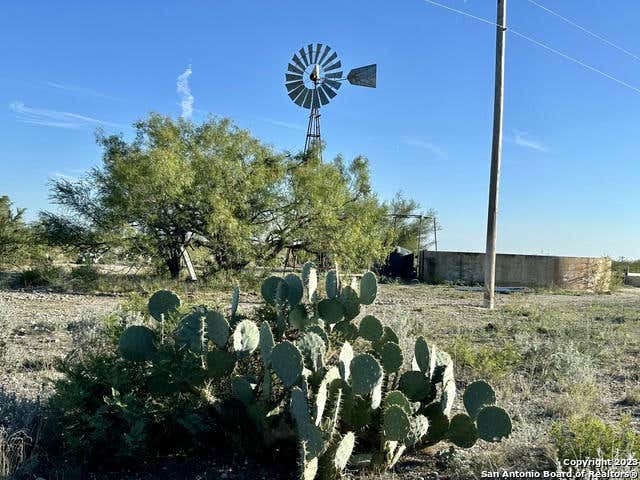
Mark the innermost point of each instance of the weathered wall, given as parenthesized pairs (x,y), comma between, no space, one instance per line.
(572,273)
(632,279)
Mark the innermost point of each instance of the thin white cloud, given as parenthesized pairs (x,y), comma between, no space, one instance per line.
(55,118)
(280,123)
(80,90)
(424,144)
(523,139)
(186,99)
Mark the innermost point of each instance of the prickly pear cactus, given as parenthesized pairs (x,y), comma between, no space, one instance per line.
(163,303)
(325,374)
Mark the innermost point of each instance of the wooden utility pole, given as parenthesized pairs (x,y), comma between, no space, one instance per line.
(496,151)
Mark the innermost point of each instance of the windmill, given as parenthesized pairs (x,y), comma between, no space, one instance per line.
(312,79)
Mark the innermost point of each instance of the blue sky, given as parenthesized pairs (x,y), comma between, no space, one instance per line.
(570,161)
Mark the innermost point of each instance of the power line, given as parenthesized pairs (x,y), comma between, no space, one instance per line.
(541,45)
(585,30)
(575,60)
(461,12)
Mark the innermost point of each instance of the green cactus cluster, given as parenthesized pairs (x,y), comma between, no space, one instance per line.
(319,375)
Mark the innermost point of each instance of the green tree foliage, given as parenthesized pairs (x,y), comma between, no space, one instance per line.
(330,208)
(405,227)
(15,235)
(243,201)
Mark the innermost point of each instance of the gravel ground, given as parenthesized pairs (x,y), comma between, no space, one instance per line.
(37,329)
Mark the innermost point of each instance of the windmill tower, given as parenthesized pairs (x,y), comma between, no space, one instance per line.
(312,80)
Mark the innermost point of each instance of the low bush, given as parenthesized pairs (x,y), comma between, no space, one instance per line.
(85,277)
(44,275)
(587,436)
(487,361)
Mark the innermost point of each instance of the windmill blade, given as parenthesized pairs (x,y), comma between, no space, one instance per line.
(327,49)
(310,51)
(328,90)
(315,102)
(363,76)
(333,67)
(334,75)
(331,58)
(298,62)
(307,99)
(323,96)
(292,77)
(293,68)
(333,83)
(318,48)
(293,94)
(305,60)
(300,99)
(293,85)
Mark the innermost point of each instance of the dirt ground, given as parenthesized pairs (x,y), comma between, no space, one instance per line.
(549,356)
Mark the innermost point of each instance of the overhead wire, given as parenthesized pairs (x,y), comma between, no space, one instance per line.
(585,30)
(541,45)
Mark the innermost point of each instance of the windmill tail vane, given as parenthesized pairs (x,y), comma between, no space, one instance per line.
(312,80)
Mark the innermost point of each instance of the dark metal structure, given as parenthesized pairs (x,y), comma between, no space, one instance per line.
(313,78)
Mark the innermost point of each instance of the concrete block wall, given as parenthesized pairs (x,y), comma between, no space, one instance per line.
(571,273)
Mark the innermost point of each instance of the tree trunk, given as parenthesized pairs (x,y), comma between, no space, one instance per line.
(174,264)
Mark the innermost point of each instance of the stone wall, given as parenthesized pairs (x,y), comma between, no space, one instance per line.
(571,273)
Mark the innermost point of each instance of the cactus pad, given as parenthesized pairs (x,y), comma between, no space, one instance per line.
(217,328)
(298,317)
(344,360)
(273,290)
(396,397)
(368,288)
(331,310)
(246,337)
(332,284)
(242,389)
(220,363)
(313,349)
(438,422)
(346,330)
(419,428)
(286,361)
(494,424)
(299,407)
(235,301)
(137,344)
(188,332)
(317,329)
(396,426)
(370,328)
(448,396)
(351,303)
(312,284)
(310,469)
(423,358)
(414,385)
(306,272)
(366,373)
(356,412)
(266,343)
(391,357)
(163,303)
(462,431)
(344,451)
(295,289)
(477,395)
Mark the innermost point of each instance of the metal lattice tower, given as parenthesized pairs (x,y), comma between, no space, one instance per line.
(312,79)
